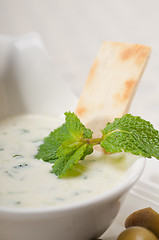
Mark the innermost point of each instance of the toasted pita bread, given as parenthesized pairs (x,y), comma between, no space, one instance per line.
(111,83)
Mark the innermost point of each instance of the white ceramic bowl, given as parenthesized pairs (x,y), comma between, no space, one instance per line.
(29,84)
(85,220)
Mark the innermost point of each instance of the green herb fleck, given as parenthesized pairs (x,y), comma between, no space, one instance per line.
(85,177)
(37,140)
(18,156)
(60,199)
(25,130)
(9,174)
(21,165)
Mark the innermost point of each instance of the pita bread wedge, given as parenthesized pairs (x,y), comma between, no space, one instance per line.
(111,84)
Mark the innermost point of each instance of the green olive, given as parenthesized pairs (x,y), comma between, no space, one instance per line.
(136,233)
(146,218)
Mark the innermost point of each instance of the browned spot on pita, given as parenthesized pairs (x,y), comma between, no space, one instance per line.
(142,55)
(92,73)
(125,92)
(128,88)
(81,111)
(136,51)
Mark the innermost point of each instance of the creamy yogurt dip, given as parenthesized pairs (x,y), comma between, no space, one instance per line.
(28,182)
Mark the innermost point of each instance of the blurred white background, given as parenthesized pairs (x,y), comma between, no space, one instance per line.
(72,32)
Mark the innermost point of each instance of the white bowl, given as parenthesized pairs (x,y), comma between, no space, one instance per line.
(29,84)
(85,220)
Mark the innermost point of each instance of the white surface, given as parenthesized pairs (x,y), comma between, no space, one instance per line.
(72,32)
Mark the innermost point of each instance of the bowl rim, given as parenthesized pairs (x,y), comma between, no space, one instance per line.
(124,185)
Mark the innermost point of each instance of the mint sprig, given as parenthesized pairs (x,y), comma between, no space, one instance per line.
(72,142)
(131,134)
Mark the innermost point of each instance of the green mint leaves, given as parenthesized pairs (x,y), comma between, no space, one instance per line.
(72,142)
(131,134)
(64,146)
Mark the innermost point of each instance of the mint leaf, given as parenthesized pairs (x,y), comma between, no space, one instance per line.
(131,134)
(61,145)
(69,155)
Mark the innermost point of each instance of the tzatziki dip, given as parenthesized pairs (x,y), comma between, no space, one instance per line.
(28,182)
